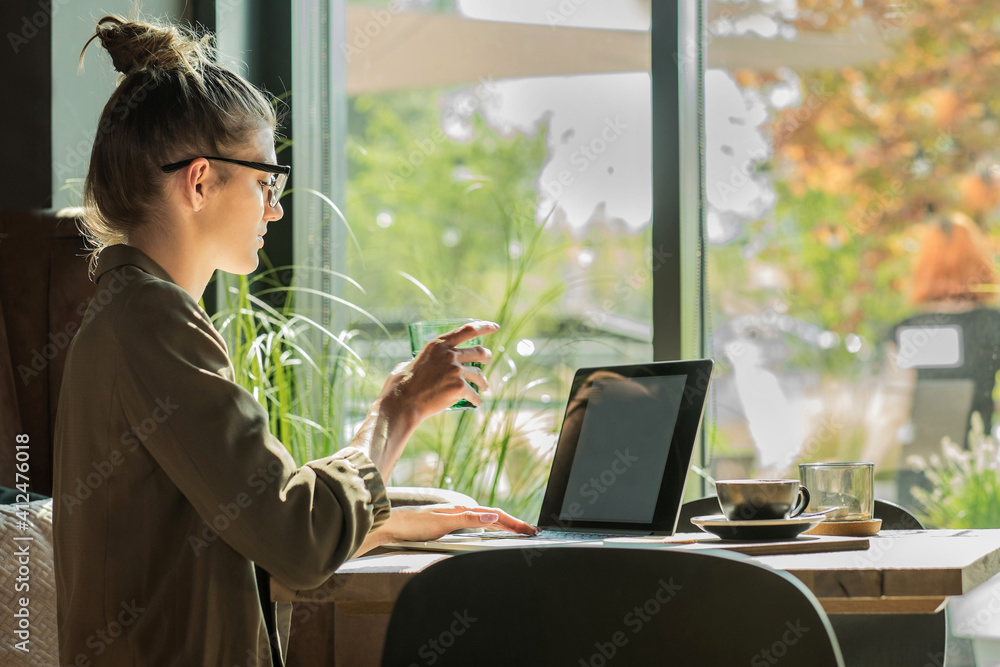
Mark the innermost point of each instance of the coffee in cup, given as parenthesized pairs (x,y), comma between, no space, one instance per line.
(761,499)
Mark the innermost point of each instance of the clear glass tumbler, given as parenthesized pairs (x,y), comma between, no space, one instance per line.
(848,487)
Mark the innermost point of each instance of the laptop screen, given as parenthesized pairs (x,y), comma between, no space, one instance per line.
(625,447)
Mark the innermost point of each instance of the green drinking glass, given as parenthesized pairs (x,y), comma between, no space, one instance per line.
(427,330)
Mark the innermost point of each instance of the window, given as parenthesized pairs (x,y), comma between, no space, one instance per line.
(844,145)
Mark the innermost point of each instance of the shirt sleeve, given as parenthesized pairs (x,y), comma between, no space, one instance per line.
(298,523)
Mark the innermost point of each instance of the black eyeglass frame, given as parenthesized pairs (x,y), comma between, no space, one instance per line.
(274,191)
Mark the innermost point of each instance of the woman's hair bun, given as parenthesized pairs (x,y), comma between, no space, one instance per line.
(135,46)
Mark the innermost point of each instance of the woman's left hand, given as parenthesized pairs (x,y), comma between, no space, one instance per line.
(420,523)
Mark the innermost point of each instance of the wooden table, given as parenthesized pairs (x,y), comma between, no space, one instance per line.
(901,572)
(906,572)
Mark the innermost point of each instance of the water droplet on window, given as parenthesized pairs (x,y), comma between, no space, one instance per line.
(451,237)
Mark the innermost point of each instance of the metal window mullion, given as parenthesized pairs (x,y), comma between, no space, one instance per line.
(677,69)
(318,105)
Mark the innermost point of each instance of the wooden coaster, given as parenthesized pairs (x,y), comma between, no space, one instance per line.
(847,528)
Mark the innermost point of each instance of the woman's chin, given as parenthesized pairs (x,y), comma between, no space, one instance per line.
(242,268)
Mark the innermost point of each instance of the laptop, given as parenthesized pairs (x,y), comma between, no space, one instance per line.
(621,459)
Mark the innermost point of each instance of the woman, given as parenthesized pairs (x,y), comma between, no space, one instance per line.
(170,488)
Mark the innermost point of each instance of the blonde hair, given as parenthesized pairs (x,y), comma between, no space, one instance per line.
(954,262)
(172,102)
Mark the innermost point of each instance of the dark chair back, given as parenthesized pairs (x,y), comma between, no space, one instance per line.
(44,291)
(593,606)
(693,508)
(896,517)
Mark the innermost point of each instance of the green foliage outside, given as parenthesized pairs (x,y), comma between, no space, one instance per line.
(873,152)
(441,221)
(270,347)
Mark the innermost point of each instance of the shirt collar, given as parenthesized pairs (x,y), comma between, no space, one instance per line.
(118,255)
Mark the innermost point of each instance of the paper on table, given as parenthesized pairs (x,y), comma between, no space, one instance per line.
(799,545)
(680,538)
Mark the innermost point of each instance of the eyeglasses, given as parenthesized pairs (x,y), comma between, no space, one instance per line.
(274,187)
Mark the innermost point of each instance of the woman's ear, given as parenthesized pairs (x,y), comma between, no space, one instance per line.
(197,177)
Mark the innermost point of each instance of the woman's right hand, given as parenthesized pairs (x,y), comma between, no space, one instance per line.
(437,378)
(431,382)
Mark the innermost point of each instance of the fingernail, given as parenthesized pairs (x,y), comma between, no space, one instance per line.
(489,518)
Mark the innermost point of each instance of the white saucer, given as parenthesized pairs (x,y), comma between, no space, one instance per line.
(775,529)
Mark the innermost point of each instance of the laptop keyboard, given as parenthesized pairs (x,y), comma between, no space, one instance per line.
(560,535)
(545,535)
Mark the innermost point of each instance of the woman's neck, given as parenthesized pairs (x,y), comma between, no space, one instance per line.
(180,258)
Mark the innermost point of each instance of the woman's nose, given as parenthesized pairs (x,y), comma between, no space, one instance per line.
(274,212)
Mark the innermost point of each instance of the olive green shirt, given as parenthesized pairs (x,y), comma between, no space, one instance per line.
(169,488)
